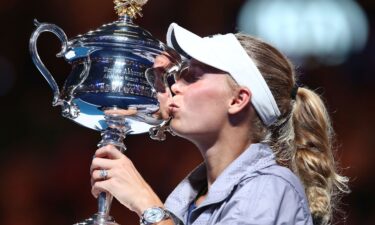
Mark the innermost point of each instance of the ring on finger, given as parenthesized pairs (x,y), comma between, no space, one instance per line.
(103,174)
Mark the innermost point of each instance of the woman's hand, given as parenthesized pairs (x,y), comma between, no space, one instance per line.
(123,180)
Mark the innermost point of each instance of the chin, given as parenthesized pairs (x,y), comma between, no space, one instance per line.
(178,128)
(184,132)
(175,128)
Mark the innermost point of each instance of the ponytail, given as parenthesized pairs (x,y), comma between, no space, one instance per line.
(302,137)
(313,160)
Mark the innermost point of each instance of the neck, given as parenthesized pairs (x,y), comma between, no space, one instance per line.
(222,150)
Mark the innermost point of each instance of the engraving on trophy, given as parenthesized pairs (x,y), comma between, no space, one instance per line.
(128,74)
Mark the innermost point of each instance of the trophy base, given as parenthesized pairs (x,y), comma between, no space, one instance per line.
(98,219)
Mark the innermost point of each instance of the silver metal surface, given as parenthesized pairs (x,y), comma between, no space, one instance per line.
(106,89)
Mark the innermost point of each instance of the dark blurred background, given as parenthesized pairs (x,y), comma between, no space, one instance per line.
(45,158)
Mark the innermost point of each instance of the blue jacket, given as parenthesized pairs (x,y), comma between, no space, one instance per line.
(252,190)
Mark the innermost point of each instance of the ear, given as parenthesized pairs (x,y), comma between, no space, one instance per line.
(241,99)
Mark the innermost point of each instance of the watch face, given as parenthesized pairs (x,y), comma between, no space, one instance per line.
(154,215)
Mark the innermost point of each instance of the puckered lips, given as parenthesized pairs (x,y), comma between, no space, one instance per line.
(172,109)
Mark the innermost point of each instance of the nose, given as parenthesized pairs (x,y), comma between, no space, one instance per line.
(176,88)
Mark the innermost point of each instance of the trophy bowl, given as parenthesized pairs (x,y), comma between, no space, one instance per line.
(106,89)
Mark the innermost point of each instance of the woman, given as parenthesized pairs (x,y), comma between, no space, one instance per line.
(265,142)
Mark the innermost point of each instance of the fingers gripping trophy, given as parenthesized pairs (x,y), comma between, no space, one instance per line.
(106,89)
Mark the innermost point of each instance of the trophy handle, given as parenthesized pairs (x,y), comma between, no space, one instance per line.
(47,27)
(158,133)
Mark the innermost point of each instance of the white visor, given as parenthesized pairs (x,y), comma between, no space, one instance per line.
(225,52)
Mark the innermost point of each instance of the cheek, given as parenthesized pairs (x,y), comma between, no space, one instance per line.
(207,106)
(207,97)
(204,106)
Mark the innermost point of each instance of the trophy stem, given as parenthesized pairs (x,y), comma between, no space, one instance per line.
(117,128)
(104,204)
(114,134)
(102,217)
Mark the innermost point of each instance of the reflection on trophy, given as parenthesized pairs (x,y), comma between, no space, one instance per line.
(107,89)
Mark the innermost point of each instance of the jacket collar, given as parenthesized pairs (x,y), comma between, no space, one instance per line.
(255,157)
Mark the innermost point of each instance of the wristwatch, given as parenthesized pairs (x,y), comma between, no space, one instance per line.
(154,215)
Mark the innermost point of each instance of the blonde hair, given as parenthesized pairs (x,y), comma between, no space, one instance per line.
(302,138)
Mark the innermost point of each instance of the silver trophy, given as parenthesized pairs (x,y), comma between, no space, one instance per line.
(107,89)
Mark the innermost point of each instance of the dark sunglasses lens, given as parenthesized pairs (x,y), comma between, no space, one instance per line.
(155,78)
(188,75)
(170,81)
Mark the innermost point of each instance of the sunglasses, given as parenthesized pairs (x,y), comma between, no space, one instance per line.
(161,79)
